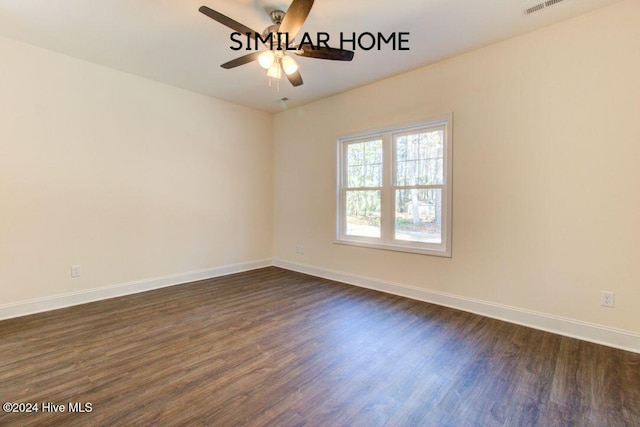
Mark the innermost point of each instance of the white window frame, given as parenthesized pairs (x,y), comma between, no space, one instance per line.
(386,240)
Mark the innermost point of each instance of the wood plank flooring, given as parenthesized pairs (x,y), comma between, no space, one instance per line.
(278,348)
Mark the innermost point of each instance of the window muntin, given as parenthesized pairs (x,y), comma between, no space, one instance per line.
(394,189)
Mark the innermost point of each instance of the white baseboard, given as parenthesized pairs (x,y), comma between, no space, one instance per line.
(624,340)
(23,308)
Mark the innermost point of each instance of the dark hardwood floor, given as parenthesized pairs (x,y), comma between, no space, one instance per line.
(273,347)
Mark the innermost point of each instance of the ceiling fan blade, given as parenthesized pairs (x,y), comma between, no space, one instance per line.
(225,20)
(331,53)
(295,78)
(295,17)
(253,56)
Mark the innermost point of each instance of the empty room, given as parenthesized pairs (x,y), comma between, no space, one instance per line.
(329,213)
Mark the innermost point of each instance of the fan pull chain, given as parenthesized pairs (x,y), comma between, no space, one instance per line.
(277,84)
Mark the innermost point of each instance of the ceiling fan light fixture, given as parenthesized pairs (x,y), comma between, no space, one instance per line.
(289,65)
(275,71)
(266,59)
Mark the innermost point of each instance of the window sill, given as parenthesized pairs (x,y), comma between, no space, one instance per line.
(395,248)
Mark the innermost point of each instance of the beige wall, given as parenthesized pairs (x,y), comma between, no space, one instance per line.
(129,178)
(546,171)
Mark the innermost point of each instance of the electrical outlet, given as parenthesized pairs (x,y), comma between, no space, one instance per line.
(299,249)
(75,271)
(606,299)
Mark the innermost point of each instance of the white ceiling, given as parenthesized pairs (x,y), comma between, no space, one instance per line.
(171,42)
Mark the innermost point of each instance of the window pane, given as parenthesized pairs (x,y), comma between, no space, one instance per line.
(419,158)
(364,164)
(419,215)
(363,213)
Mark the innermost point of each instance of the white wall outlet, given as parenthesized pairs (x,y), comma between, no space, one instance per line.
(299,249)
(75,271)
(607,299)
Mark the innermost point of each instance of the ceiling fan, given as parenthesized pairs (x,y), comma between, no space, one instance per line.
(286,26)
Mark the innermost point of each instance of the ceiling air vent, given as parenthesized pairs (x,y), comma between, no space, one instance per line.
(540,6)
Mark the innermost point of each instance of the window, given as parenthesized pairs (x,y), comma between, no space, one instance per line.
(394,189)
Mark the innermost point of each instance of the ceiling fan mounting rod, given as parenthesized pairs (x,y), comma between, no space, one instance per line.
(276,16)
